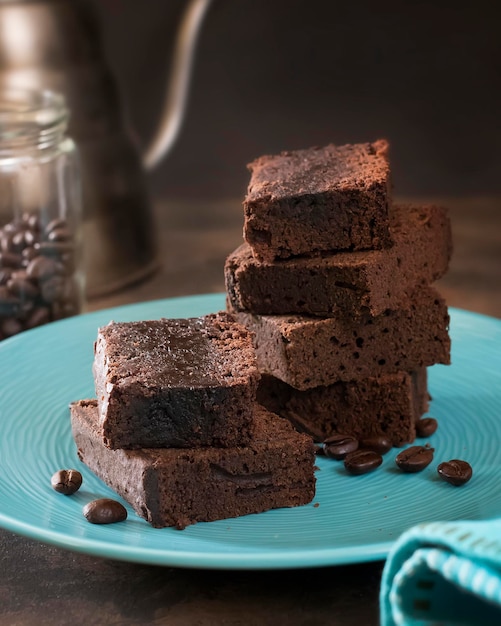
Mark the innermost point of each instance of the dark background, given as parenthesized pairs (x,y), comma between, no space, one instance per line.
(284,74)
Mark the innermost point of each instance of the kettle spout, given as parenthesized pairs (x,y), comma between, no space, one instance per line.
(178,86)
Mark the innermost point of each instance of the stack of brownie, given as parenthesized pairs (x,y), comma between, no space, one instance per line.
(176,430)
(334,281)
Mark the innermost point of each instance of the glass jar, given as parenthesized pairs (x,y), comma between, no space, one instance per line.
(41,277)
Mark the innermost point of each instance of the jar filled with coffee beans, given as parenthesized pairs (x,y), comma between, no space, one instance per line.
(41,276)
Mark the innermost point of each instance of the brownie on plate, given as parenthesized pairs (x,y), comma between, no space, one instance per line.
(389,406)
(318,199)
(175,382)
(307,352)
(177,487)
(347,282)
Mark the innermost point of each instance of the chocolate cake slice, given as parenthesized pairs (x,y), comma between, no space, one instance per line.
(389,405)
(175,382)
(307,352)
(177,487)
(319,199)
(348,282)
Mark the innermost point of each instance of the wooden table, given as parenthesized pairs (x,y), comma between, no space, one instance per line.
(42,584)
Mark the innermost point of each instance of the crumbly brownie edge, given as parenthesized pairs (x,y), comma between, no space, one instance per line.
(386,406)
(345,283)
(307,286)
(179,487)
(307,352)
(343,221)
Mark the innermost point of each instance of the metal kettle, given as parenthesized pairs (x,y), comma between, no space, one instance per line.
(56,44)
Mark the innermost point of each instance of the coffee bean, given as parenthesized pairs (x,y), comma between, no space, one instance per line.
(362,462)
(18,241)
(426,426)
(59,222)
(338,446)
(66,482)
(28,254)
(33,221)
(20,286)
(10,227)
(5,274)
(414,459)
(41,268)
(10,259)
(456,472)
(6,244)
(377,443)
(59,235)
(30,238)
(19,274)
(104,511)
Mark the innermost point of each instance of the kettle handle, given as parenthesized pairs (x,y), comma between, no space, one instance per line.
(177,93)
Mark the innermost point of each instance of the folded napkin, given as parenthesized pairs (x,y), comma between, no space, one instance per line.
(444,573)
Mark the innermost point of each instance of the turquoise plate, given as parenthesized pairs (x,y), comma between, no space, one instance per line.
(352,519)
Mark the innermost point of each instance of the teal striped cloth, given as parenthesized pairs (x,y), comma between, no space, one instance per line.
(444,574)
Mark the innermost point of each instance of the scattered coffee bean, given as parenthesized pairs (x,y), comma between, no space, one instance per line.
(104,511)
(362,462)
(456,472)
(426,426)
(66,481)
(338,446)
(377,443)
(414,459)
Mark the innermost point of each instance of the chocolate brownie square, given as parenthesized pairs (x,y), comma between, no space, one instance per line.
(307,352)
(347,282)
(175,382)
(177,487)
(319,199)
(389,405)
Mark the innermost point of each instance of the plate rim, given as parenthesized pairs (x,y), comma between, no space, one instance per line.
(192,559)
